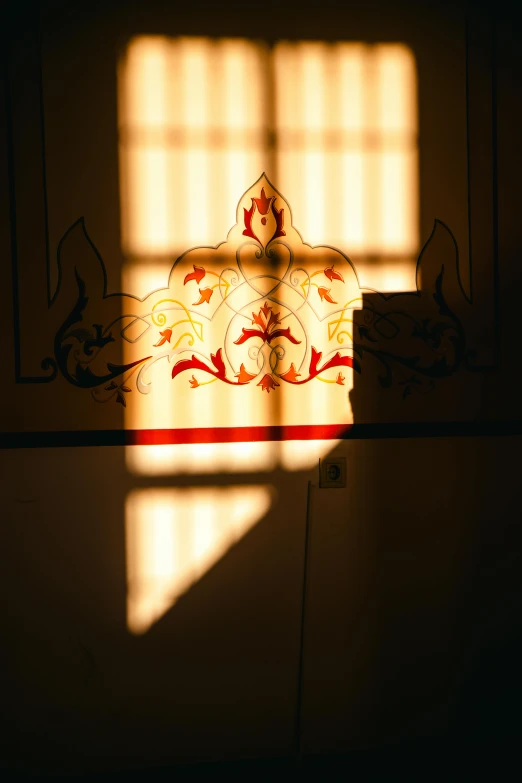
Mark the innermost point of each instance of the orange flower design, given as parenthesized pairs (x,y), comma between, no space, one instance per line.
(268,383)
(243,376)
(324,293)
(164,338)
(267,328)
(204,296)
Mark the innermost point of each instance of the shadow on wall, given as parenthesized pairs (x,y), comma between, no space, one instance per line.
(408,621)
(406,615)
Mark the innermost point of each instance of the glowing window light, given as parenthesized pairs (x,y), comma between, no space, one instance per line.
(193,135)
(199,458)
(174,536)
(193,129)
(346,124)
(192,125)
(193,132)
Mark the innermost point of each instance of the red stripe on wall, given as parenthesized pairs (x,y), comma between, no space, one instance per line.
(236,434)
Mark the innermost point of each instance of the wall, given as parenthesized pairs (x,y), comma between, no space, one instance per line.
(412,602)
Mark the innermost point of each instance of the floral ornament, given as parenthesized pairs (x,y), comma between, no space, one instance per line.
(119,391)
(314,370)
(164,338)
(324,293)
(267,328)
(218,370)
(407,350)
(268,383)
(79,342)
(194,383)
(198,274)
(204,296)
(266,322)
(244,376)
(291,375)
(271,220)
(331,274)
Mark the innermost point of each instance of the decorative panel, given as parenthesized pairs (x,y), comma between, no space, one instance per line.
(265,334)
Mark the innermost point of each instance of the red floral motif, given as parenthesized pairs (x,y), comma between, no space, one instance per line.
(164,338)
(218,371)
(266,325)
(268,383)
(336,361)
(267,321)
(267,331)
(331,274)
(263,204)
(198,274)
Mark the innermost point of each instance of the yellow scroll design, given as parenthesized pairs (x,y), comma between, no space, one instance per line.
(334,325)
(160,319)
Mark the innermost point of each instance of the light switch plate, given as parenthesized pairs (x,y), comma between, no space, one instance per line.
(332,473)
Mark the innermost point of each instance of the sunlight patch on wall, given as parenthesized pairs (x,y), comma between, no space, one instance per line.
(346,121)
(396,276)
(192,127)
(202,458)
(334,125)
(304,454)
(190,458)
(196,129)
(174,536)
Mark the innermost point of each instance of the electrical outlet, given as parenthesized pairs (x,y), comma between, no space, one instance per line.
(332,472)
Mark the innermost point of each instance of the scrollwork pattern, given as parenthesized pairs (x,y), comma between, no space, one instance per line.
(261,308)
